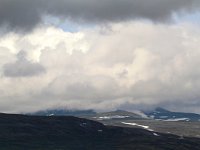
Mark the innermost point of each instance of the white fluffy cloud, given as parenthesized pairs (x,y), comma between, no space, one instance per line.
(130,64)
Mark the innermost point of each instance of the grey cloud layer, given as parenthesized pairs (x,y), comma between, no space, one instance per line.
(22,67)
(26,14)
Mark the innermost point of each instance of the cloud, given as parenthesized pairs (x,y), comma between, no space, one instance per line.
(130,66)
(22,67)
(24,15)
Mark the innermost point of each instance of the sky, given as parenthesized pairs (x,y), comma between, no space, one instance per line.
(102,55)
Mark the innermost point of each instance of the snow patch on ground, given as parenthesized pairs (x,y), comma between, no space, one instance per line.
(178,119)
(135,124)
(138,125)
(100,130)
(142,126)
(83,124)
(156,134)
(112,117)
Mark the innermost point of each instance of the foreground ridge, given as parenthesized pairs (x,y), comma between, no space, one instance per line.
(60,132)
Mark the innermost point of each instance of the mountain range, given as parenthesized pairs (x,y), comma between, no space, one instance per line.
(157,114)
(166,115)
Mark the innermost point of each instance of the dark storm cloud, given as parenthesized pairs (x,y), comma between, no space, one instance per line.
(22,67)
(20,14)
(26,14)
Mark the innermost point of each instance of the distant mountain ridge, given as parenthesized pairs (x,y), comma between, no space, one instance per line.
(63,112)
(118,114)
(166,115)
(157,114)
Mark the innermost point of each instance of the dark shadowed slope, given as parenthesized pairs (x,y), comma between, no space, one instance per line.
(19,132)
(63,112)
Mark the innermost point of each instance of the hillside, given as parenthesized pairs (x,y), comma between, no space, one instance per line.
(18,132)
